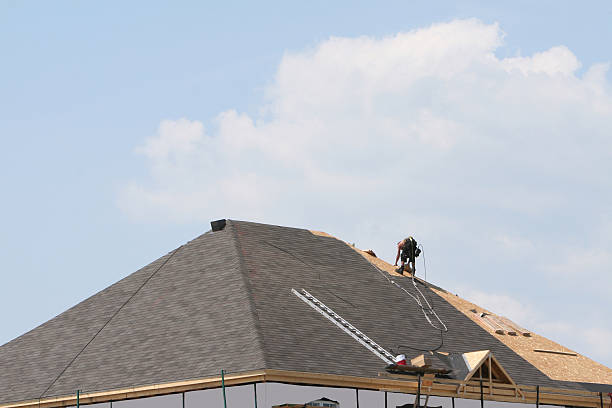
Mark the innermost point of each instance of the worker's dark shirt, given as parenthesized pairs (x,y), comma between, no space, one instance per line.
(408,249)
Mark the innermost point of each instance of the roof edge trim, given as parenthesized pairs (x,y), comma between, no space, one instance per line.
(439,387)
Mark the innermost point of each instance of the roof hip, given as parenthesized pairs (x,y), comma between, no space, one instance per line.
(240,251)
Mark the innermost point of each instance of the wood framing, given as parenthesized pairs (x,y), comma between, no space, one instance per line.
(509,329)
(437,387)
(488,368)
(496,328)
(518,328)
(421,361)
(563,353)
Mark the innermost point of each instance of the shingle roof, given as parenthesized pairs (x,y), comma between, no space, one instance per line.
(224,301)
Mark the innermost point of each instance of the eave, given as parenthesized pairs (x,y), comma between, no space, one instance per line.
(408,385)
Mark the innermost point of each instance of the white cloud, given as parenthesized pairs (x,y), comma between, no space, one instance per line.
(177,138)
(425,133)
(557,60)
(514,245)
(583,263)
(502,304)
(434,103)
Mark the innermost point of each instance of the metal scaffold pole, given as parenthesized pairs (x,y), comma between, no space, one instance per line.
(223,388)
(418,396)
(255,392)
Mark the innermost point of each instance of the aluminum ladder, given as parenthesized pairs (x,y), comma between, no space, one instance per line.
(343,324)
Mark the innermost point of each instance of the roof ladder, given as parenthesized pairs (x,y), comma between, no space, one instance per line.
(348,328)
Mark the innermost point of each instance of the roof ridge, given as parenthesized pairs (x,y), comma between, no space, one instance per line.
(243,269)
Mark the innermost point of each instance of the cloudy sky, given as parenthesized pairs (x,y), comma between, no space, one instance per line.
(485,131)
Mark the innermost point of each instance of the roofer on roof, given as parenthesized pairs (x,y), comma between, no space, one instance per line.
(409,251)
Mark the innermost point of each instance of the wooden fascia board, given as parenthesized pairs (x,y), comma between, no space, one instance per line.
(141,391)
(442,388)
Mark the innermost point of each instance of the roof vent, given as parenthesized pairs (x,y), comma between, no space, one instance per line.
(217,225)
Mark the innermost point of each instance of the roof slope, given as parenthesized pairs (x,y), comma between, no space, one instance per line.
(574,368)
(185,315)
(224,301)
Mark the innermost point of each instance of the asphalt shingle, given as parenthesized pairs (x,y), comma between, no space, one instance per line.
(224,301)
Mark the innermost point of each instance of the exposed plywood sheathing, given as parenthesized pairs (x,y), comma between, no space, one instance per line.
(322,234)
(556,366)
(475,359)
(561,367)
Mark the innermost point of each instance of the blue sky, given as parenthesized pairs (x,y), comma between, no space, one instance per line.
(126,128)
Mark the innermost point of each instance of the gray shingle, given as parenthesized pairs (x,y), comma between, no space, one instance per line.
(224,301)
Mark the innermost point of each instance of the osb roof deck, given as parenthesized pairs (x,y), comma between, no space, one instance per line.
(561,367)
(224,301)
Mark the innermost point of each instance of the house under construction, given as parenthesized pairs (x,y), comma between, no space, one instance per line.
(250,315)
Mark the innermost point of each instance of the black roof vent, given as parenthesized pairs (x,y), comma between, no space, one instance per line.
(217,225)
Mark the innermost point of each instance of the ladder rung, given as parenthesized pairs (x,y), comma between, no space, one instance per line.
(330,314)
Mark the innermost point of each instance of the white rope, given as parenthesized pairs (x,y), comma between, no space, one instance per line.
(417,300)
